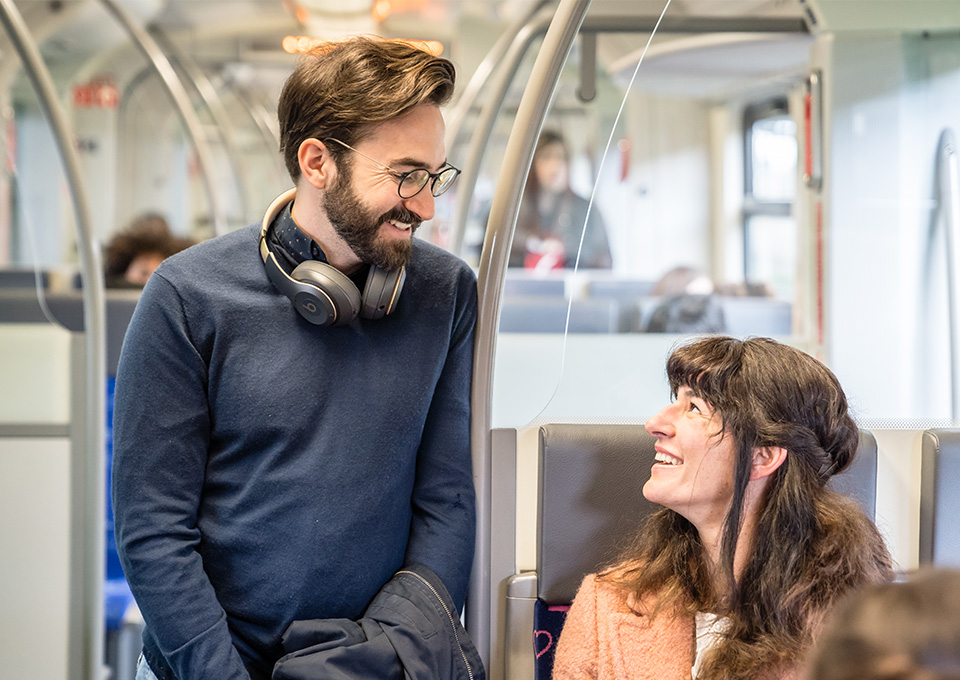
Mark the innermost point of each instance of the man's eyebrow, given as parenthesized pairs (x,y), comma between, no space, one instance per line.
(417,163)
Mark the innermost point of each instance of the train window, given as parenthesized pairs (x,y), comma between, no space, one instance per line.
(770,183)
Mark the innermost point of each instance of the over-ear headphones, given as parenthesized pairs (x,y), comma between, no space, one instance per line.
(323,294)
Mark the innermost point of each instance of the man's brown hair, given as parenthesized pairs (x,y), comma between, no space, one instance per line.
(341,89)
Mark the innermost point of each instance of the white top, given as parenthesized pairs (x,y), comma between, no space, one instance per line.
(710,629)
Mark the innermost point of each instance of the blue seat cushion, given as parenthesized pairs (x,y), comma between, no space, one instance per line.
(116,598)
(547,623)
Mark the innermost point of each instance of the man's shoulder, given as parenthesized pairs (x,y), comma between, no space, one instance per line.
(240,240)
(232,251)
(429,259)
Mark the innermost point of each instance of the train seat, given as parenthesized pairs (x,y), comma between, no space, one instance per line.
(520,282)
(742,316)
(22,278)
(624,290)
(548,314)
(940,498)
(590,505)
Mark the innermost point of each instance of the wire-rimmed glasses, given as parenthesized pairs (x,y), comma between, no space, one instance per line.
(412,182)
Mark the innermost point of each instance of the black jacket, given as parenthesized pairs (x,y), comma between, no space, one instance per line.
(411,630)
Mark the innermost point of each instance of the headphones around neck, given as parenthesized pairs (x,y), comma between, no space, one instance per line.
(323,294)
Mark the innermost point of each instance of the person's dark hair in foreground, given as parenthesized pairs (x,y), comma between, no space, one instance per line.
(752,548)
(895,631)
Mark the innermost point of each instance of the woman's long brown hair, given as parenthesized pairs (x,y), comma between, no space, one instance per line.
(811,545)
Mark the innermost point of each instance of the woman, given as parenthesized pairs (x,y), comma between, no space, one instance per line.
(133,254)
(552,217)
(733,577)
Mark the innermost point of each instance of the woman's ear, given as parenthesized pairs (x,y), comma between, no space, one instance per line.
(766,461)
(317,166)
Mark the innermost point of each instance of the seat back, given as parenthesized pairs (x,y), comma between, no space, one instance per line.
(546,314)
(940,498)
(859,481)
(590,482)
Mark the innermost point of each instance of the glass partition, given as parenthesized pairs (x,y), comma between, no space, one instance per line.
(700,186)
(637,226)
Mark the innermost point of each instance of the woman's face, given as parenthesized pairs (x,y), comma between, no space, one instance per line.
(693,475)
(551,167)
(142,267)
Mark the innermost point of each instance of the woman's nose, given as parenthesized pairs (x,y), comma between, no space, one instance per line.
(661,424)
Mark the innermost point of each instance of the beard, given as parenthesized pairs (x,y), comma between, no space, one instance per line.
(359,227)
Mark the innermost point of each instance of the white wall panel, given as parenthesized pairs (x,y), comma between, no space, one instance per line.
(34,557)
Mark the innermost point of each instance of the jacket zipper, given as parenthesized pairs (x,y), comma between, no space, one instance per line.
(453,624)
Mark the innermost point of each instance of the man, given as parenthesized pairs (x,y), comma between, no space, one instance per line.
(277,462)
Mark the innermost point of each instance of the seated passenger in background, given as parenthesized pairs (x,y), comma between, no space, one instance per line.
(895,631)
(688,304)
(551,218)
(133,254)
(733,577)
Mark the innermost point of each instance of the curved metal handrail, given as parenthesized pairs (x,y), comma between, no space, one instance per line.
(266,125)
(479,141)
(458,113)
(214,103)
(181,101)
(86,649)
(493,265)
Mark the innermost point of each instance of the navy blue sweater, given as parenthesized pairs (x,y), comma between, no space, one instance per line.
(268,470)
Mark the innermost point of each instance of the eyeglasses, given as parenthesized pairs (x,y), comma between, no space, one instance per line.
(412,182)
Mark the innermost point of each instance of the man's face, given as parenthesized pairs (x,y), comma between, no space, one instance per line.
(363,204)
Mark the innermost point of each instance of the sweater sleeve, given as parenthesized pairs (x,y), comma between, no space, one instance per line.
(577,650)
(443,527)
(161,437)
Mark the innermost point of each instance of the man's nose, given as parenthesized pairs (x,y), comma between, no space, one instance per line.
(423,204)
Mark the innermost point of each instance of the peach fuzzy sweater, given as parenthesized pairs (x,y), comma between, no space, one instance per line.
(604,639)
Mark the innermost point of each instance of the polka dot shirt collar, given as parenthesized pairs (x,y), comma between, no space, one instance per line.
(292,239)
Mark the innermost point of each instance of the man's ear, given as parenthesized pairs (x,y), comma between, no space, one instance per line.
(317,166)
(766,461)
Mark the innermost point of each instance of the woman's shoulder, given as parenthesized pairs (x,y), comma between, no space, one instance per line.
(612,591)
(601,592)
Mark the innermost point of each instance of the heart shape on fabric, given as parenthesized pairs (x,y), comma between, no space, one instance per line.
(536,636)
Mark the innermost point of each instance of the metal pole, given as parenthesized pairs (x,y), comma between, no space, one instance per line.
(493,265)
(86,643)
(488,116)
(181,101)
(214,103)
(948,194)
(266,124)
(482,74)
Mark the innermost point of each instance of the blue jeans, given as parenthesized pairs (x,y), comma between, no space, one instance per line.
(143,670)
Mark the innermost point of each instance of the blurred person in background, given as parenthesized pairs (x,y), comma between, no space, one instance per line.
(133,254)
(687,304)
(552,217)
